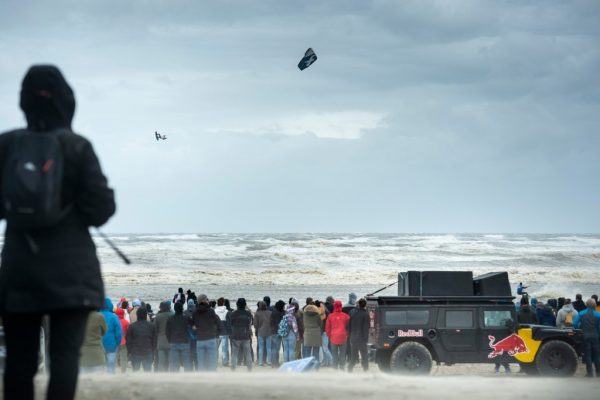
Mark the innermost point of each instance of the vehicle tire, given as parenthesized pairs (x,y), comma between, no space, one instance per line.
(529,369)
(556,358)
(411,358)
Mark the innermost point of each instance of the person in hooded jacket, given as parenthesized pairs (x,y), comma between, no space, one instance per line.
(277,314)
(122,357)
(179,340)
(329,301)
(206,325)
(179,297)
(579,304)
(351,304)
(545,315)
(239,323)
(336,329)
(136,304)
(588,321)
(223,342)
(163,347)
(567,310)
(262,325)
(267,300)
(52,271)
(311,319)
(149,312)
(526,315)
(127,308)
(114,334)
(92,352)
(141,342)
(359,336)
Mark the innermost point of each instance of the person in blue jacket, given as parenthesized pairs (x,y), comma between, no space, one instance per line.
(588,321)
(113,336)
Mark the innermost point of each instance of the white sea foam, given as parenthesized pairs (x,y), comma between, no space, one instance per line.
(550,264)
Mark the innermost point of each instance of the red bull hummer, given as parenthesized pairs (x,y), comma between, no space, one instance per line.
(449,317)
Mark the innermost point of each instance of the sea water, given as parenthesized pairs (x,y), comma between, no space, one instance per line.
(318,265)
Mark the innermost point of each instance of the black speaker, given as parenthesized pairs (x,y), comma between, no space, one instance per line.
(435,283)
(492,284)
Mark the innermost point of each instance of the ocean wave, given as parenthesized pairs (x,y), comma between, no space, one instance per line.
(552,263)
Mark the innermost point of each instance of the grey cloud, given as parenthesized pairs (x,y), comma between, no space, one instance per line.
(491,110)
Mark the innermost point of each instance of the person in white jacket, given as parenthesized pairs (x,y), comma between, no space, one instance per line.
(222,311)
(565,314)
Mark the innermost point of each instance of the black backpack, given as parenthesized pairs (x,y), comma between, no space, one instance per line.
(32,180)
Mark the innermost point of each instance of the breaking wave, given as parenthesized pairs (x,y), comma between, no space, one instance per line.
(549,263)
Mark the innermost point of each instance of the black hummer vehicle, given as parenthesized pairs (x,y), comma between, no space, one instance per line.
(466,323)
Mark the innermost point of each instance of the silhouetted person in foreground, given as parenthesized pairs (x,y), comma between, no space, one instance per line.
(51,269)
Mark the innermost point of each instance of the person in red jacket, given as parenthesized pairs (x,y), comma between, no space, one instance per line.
(336,329)
(122,357)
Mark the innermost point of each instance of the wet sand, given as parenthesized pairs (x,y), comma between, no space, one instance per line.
(448,383)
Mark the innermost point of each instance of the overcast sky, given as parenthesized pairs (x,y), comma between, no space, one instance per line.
(418,116)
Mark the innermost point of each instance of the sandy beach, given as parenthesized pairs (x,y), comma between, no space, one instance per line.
(326,385)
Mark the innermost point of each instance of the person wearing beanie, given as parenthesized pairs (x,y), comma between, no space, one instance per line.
(329,301)
(351,304)
(141,342)
(136,304)
(262,325)
(239,324)
(163,345)
(54,272)
(534,302)
(206,323)
(359,336)
(122,352)
(588,321)
(179,340)
(526,315)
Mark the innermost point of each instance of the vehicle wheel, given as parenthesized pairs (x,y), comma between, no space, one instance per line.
(529,369)
(411,358)
(556,358)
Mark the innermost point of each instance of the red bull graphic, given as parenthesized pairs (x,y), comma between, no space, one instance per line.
(512,345)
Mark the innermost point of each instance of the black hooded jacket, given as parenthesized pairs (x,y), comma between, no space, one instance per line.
(141,338)
(177,326)
(65,272)
(206,322)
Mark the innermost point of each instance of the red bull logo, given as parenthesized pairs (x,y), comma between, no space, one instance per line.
(512,345)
